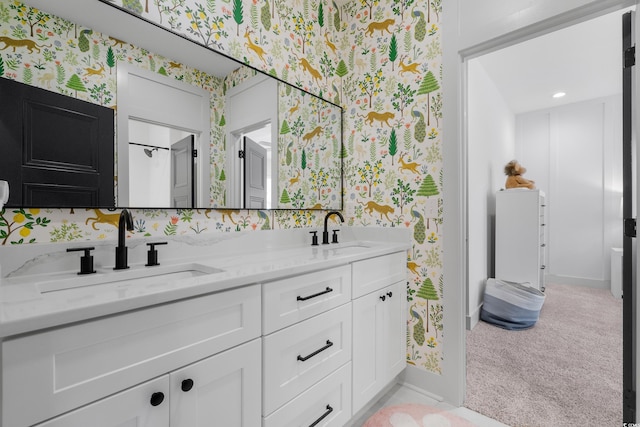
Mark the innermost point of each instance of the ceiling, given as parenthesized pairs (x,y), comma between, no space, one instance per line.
(584,60)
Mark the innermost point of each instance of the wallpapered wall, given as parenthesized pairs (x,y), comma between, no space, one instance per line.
(379,59)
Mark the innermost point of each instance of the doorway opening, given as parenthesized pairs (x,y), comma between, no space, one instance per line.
(570,145)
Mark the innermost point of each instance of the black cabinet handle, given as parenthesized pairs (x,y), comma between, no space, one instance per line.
(382,297)
(303,358)
(326,291)
(187,385)
(389,294)
(322,417)
(157,398)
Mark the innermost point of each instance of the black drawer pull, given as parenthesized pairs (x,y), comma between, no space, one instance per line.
(322,417)
(326,291)
(382,297)
(302,359)
(186,385)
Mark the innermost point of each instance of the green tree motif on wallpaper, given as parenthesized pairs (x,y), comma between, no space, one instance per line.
(111,59)
(29,16)
(436,6)
(304,30)
(428,292)
(371,84)
(393,51)
(371,174)
(326,65)
(436,317)
(436,108)
(23,221)
(369,4)
(429,84)
(303,161)
(402,194)
(284,198)
(341,71)
(393,144)
(237,15)
(319,180)
(400,6)
(101,94)
(320,16)
(207,26)
(75,84)
(298,128)
(402,97)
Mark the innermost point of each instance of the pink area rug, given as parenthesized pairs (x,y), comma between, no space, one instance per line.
(415,415)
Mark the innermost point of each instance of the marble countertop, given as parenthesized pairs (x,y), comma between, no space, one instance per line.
(238,260)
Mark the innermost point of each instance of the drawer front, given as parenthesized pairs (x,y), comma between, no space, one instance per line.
(67,367)
(297,357)
(372,274)
(289,301)
(328,403)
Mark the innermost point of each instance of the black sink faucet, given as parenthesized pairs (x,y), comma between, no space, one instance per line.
(125,222)
(325,233)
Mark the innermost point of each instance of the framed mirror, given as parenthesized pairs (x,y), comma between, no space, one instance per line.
(197,159)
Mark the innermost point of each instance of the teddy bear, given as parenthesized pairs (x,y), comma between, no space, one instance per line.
(514,172)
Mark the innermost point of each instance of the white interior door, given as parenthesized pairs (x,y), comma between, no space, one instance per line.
(182,179)
(255,175)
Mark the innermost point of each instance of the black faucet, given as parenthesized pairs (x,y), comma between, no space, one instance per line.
(125,221)
(325,233)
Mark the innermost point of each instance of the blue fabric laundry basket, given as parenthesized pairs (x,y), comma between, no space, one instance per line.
(511,305)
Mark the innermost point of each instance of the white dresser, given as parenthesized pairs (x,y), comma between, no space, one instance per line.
(520,237)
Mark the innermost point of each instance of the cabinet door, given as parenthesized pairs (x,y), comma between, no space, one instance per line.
(379,341)
(221,390)
(395,324)
(368,347)
(130,408)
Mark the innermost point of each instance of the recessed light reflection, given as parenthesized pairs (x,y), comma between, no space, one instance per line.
(559,95)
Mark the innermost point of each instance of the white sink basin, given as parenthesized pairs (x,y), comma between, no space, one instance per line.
(135,276)
(350,249)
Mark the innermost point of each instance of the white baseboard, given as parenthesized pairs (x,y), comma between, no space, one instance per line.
(433,385)
(473,318)
(578,281)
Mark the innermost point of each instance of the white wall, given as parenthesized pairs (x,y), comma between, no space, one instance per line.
(573,153)
(491,146)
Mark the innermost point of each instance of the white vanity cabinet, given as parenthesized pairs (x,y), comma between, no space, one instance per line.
(224,388)
(48,373)
(379,325)
(306,363)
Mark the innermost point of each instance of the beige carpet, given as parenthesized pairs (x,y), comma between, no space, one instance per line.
(565,371)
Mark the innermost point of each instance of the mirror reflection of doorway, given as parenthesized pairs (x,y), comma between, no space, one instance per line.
(161,166)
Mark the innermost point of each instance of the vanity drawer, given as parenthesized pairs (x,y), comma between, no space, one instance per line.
(47,373)
(375,273)
(291,300)
(331,396)
(297,357)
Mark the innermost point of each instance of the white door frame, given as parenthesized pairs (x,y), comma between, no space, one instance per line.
(451,385)
(168,102)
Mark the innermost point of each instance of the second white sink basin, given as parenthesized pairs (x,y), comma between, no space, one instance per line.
(135,276)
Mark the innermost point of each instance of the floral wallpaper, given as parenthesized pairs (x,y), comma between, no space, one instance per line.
(309,151)
(379,59)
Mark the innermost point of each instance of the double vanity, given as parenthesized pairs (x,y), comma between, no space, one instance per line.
(246,329)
